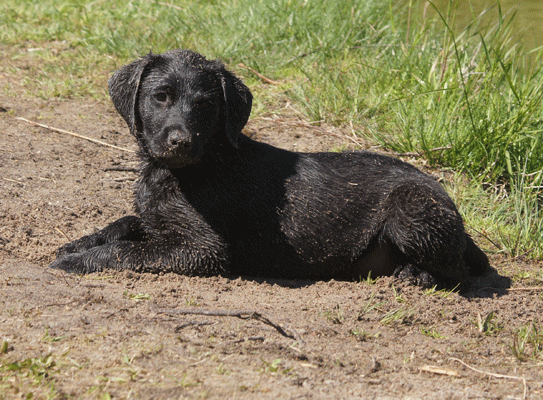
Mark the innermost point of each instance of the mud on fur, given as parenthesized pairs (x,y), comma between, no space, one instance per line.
(210,200)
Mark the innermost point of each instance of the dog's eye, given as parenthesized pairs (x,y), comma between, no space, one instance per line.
(161,97)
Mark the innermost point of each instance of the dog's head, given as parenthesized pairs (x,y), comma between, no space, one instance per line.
(177,102)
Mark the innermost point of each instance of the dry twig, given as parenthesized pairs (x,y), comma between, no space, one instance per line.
(192,323)
(242,314)
(255,338)
(14,181)
(262,77)
(518,378)
(63,234)
(74,134)
(486,237)
(438,370)
(522,289)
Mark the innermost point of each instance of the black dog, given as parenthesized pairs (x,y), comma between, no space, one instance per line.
(211,200)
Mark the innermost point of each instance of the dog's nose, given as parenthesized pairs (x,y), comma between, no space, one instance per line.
(177,138)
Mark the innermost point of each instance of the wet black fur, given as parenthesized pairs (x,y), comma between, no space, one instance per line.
(210,200)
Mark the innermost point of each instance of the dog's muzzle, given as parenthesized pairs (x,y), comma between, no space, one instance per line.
(178,140)
(178,148)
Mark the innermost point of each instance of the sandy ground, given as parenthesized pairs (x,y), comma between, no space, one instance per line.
(123,335)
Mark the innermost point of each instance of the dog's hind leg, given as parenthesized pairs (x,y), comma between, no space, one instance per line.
(422,222)
(474,258)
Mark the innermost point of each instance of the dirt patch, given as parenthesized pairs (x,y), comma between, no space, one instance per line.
(118,334)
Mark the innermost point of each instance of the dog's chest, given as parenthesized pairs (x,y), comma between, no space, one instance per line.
(173,206)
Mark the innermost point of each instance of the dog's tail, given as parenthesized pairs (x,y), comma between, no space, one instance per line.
(474,258)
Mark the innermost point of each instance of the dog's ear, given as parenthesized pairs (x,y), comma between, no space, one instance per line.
(238,101)
(123,89)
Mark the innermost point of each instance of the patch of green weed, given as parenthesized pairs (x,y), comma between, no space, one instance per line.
(443,293)
(527,343)
(370,306)
(400,315)
(32,374)
(362,335)
(487,324)
(432,332)
(136,297)
(335,315)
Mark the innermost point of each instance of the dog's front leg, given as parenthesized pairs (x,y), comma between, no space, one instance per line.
(145,257)
(126,228)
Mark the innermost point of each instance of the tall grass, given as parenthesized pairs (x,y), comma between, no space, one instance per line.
(468,100)
(464,101)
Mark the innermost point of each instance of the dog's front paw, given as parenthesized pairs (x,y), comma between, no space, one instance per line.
(73,263)
(80,245)
(68,248)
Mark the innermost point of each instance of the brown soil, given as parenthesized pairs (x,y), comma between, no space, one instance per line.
(117,334)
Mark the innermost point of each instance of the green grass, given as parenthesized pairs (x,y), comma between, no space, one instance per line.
(335,315)
(527,343)
(508,216)
(443,293)
(136,297)
(399,315)
(29,378)
(431,332)
(470,101)
(487,325)
(370,306)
